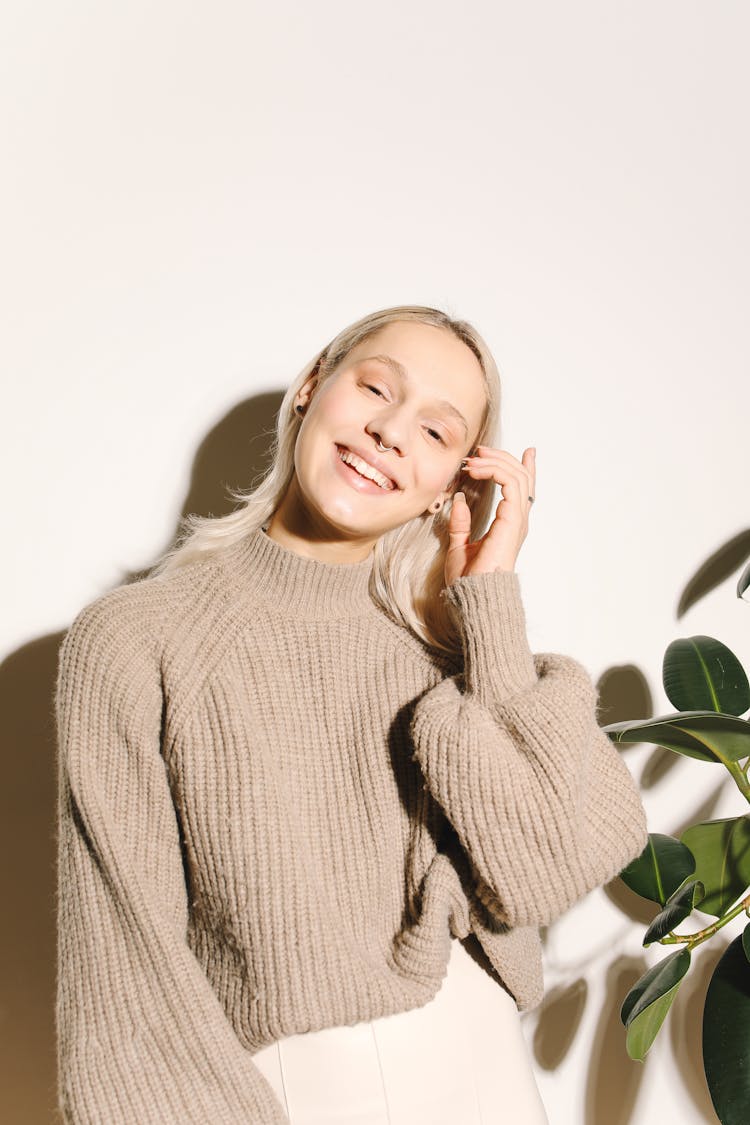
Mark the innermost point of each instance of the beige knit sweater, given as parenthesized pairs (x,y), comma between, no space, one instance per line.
(276,807)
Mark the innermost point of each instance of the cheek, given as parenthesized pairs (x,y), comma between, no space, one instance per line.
(433,468)
(337,411)
(434,483)
(314,446)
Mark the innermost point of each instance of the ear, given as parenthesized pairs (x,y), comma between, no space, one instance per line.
(446,494)
(305,393)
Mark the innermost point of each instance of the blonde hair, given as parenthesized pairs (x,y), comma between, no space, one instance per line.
(409,561)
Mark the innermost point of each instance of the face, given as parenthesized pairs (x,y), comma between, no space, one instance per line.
(429,412)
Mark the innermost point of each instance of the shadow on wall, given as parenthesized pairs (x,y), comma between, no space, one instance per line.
(614,1079)
(235,453)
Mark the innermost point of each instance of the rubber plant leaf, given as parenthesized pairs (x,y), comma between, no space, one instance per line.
(722,860)
(676,909)
(701,673)
(646,1005)
(726,1035)
(707,735)
(662,867)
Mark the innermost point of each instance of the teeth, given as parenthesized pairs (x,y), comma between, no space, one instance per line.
(364,469)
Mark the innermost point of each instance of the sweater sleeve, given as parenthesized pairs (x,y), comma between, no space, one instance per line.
(511,749)
(142,1038)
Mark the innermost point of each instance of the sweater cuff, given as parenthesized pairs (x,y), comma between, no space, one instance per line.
(490,617)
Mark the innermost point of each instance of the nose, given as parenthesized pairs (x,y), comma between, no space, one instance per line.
(385,442)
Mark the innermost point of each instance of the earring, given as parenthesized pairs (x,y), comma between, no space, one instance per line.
(436,506)
(300,408)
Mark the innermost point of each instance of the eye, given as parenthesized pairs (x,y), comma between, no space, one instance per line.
(371,387)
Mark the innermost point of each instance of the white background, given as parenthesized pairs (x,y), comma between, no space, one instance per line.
(196,197)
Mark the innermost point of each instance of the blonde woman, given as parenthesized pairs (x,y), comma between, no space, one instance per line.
(316,794)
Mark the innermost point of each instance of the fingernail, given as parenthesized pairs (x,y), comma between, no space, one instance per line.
(456,496)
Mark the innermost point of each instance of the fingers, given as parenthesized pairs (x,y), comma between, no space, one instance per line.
(459,522)
(503,474)
(505,469)
(529,460)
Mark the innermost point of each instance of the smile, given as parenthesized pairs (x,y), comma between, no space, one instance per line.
(361,474)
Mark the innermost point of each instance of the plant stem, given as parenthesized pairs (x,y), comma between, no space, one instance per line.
(702,935)
(739,773)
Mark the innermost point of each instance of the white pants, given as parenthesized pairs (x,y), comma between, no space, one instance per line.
(461,1059)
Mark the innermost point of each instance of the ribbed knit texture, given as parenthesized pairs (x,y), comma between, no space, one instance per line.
(276,807)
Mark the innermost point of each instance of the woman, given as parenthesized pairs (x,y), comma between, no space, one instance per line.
(309,764)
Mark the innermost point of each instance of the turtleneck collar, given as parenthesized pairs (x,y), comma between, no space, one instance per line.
(296,584)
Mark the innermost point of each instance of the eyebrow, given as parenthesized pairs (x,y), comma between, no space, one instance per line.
(400,370)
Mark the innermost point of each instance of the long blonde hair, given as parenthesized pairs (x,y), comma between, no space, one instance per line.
(409,561)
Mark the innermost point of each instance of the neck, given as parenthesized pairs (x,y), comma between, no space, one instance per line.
(299,536)
(291,583)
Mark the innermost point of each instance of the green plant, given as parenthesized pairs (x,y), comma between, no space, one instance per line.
(708,867)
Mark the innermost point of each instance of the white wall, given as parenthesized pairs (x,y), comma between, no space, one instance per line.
(196,197)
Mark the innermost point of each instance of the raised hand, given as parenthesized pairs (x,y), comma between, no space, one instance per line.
(499,546)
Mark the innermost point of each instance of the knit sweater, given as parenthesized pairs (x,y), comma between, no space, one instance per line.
(277,807)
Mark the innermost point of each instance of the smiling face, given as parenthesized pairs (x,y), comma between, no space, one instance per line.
(417,388)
